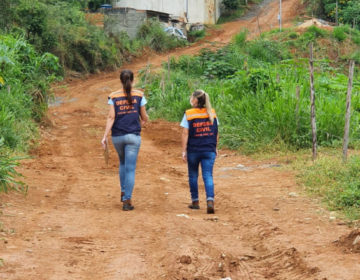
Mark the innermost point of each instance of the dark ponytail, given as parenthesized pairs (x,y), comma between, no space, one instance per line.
(126,78)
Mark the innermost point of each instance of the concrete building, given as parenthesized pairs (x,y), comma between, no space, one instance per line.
(129,20)
(202,11)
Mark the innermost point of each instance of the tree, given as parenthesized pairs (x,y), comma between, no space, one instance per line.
(231,5)
(6,12)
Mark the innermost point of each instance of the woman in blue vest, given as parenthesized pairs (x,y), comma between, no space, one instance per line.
(200,139)
(126,106)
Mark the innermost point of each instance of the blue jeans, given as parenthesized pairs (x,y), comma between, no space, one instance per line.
(127,147)
(207,160)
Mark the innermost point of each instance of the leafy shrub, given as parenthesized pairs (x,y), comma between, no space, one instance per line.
(196,35)
(219,69)
(267,51)
(231,5)
(339,34)
(240,38)
(256,78)
(356,56)
(356,40)
(293,35)
(154,36)
(316,31)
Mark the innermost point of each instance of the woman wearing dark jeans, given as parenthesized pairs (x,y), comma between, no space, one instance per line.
(126,106)
(200,139)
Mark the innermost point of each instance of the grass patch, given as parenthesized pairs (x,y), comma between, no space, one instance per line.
(337,183)
(230,16)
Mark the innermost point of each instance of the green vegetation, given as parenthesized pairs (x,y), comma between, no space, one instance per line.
(265,108)
(40,41)
(348,11)
(194,36)
(337,183)
(230,16)
(25,78)
(339,34)
(8,175)
(231,5)
(61,28)
(253,86)
(151,34)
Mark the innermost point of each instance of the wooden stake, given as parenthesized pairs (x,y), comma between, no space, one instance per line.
(348,110)
(168,67)
(146,72)
(312,98)
(258,24)
(163,85)
(278,78)
(188,66)
(336,13)
(8,89)
(162,81)
(297,107)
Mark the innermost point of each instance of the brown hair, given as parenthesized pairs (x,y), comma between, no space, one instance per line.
(126,78)
(204,102)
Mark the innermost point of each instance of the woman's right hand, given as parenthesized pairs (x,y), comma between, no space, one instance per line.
(103,143)
(184,156)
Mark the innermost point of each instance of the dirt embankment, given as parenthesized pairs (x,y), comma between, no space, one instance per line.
(70,225)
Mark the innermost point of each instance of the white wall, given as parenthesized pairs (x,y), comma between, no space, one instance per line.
(203,11)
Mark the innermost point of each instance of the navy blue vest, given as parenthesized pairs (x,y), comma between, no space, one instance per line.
(202,134)
(126,116)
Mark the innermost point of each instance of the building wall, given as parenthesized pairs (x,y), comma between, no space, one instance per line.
(127,20)
(204,11)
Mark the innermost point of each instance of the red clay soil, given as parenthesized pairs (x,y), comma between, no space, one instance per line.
(71,225)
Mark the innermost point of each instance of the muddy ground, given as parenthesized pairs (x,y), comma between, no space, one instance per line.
(71,224)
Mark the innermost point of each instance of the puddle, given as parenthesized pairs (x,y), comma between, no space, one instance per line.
(60,100)
(243,168)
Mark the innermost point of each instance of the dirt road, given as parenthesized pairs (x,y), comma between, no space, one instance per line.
(71,225)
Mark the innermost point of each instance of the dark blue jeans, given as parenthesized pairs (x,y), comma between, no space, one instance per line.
(207,160)
(127,148)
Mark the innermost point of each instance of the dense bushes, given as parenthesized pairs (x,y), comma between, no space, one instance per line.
(60,28)
(25,78)
(152,34)
(257,112)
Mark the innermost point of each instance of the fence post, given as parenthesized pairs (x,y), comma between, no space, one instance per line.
(278,78)
(168,67)
(163,84)
(188,65)
(146,72)
(348,110)
(297,107)
(312,98)
(8,89)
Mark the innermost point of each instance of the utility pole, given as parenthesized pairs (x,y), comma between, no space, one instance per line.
(279,16)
